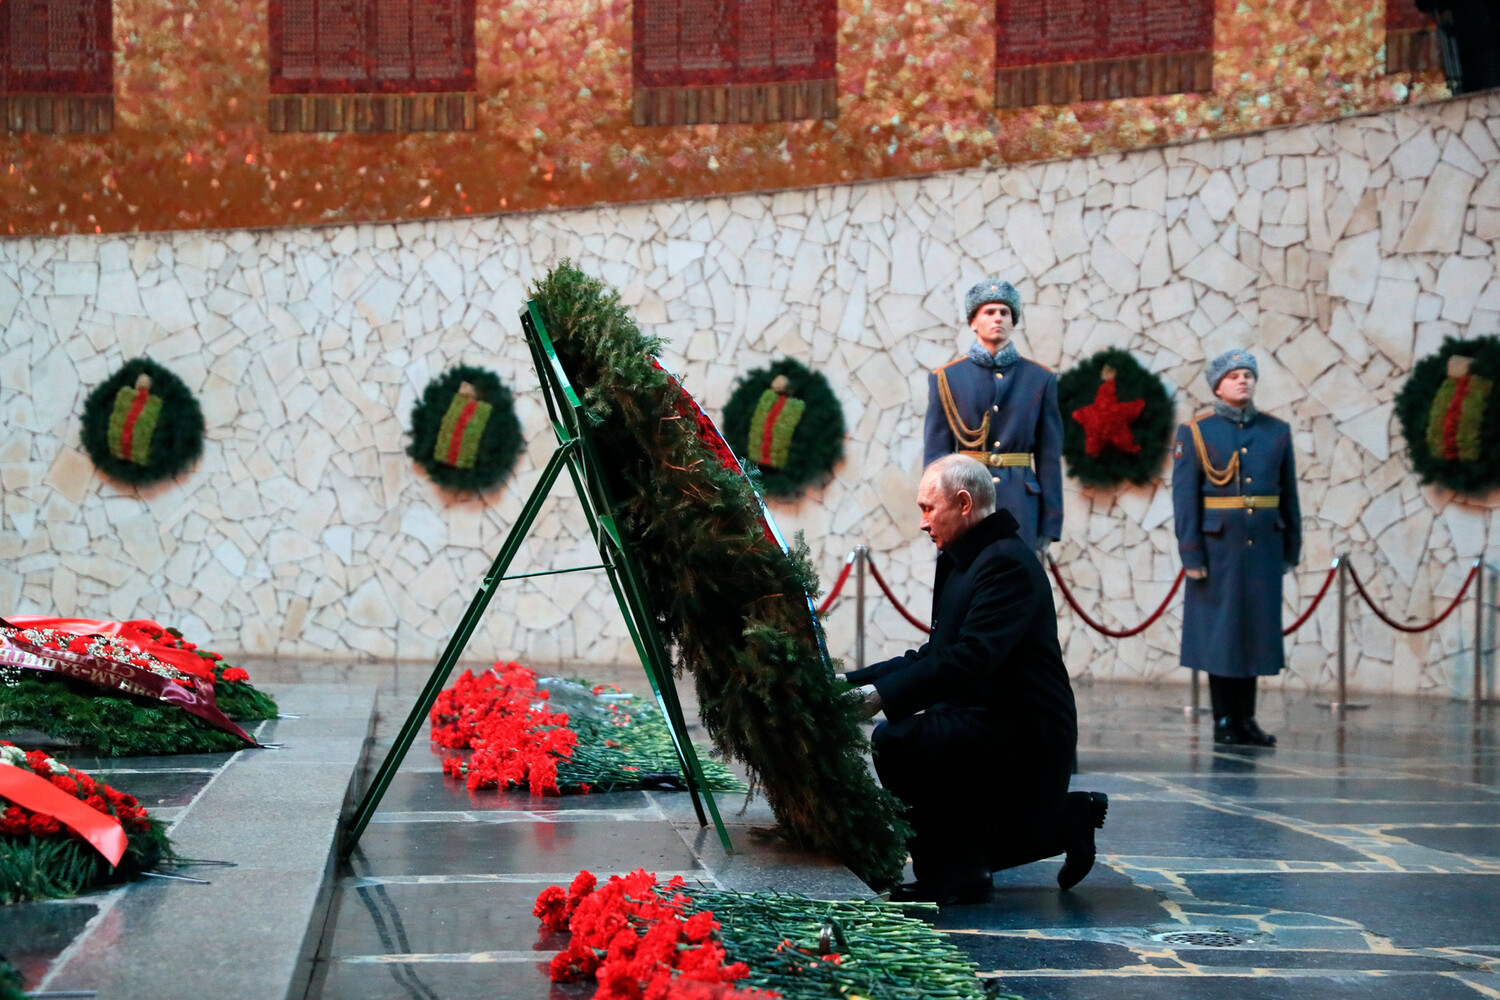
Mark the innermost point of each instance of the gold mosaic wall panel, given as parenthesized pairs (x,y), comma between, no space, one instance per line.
(197,141)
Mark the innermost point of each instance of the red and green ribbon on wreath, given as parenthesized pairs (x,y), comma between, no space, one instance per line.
(465,434)
(462,428)
(133,421)
(773,423)
(1456,420)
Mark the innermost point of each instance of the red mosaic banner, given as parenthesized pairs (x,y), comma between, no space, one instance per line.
(1035,32)
(371,46)
(56,47)
(690,43)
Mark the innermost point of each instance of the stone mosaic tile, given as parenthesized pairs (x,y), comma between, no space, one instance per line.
(480,848)
(441,918)
(1344,986)
(1415,911)
(1470,841)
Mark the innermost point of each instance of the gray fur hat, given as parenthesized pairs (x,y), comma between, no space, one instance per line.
(1228,362)
(993,290)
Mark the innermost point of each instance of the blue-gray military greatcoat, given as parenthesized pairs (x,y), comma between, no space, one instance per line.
(1246,529)
(1016,407)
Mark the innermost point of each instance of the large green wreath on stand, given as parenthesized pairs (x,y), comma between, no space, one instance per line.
(1449,415)
(732,604)
(464,430)
(142,424)
(786,422)
(1117,420)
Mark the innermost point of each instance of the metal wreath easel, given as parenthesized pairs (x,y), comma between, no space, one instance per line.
(576,452)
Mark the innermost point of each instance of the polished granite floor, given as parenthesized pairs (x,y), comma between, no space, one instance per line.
(1359,858)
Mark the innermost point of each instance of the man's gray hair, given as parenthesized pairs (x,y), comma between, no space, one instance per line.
(960,472)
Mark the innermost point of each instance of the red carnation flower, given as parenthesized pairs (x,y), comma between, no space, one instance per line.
(43,826)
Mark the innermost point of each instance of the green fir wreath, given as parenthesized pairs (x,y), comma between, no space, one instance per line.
(142,425)
(786,423)
(42,858)
(1450,415)
(11,985)
(464,431)
(1114,433)
(732,604)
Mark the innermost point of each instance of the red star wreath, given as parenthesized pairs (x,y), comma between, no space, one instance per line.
(1107,421)
(1118,421)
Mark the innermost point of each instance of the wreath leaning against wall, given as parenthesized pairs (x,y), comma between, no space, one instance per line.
(142,425)
(785,421)
(1449,417)
(464,430)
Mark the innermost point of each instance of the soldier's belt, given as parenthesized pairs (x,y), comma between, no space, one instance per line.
(1007,459)
(1240,503)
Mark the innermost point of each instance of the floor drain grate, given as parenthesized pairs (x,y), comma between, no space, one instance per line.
(1202,939)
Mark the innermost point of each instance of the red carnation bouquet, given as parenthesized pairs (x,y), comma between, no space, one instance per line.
(502,717)
(634,938)
(62,832)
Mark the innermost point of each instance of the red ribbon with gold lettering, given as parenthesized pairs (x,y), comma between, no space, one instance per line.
(34,792)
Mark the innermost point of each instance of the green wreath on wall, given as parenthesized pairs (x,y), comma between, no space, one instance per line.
(1449,417)
(142,424)
(785,422)
(464,430)
(1117,420)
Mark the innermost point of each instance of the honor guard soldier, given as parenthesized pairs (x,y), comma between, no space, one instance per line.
(1001,409)
(1239,528)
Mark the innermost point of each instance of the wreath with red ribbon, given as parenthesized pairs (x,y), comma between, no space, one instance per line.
(1450,417)
(785,422)
(464,430)
(62,832)
(142,424)
(1117,420)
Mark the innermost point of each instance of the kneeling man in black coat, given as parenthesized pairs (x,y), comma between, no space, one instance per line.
(980,727)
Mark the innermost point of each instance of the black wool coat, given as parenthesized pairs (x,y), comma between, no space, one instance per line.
(993,644)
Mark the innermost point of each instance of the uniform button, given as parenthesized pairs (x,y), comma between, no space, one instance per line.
(998,375)
(997,444)
(1244,450)
(1249,480)
(995,478)
(995,408)
(1250,541)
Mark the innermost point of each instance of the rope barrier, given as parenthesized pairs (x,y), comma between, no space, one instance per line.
(1333,571)
(838,585)
(880,580)
(1359,586)
(1113,633)
(1302,619)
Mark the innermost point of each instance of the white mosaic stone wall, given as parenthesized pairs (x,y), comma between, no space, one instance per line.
(1341,252)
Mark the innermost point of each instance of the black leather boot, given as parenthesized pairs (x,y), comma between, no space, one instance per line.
(1256,736)
(1227,732)
(1083,813)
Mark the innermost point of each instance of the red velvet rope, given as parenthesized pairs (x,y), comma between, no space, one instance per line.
(1113,633)
(1473,572)
(1302,619)
(892,597)
(1333,571)
(838,585)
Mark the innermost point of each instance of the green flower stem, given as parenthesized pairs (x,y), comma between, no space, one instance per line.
(890,954)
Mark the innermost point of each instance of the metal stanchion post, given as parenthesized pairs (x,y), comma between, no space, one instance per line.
(861,559)
(1479,633)
(1194,707)
(1342,704)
